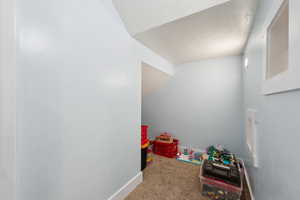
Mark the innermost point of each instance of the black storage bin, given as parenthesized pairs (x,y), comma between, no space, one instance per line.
(144,158)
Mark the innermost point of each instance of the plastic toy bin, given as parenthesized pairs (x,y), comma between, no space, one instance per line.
(169,150)
(215,189)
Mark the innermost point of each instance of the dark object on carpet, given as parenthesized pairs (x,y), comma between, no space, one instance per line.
(144,158)
(169,179)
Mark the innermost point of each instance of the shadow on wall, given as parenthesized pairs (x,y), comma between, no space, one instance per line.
(152,79)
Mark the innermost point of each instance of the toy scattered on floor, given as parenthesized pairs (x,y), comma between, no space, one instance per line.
(149,157)
(150,154)
(204,156)
(197,156)
(186,151)
(190,156)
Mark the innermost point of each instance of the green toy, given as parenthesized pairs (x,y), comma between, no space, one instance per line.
(221,155)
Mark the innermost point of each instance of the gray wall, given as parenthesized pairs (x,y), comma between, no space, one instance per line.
(200,105)
(78,117)
(278,174)
(7,100)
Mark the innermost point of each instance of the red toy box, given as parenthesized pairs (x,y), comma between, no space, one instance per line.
(169,150)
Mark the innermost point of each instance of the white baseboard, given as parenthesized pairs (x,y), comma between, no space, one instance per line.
(124,191)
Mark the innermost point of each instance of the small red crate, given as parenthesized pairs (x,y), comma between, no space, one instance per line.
(169,150)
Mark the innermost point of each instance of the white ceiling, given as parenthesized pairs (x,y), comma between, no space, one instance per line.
(152,79)
(210,32)
(142,15)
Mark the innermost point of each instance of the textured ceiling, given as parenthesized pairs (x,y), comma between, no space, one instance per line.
(181,33)
(219,31)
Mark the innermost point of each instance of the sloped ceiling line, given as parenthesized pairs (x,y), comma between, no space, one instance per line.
(142,15)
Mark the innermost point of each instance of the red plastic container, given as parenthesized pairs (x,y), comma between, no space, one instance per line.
(144,134)
(169,150)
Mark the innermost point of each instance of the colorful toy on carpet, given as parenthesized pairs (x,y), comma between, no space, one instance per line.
(190,156)
(150,154)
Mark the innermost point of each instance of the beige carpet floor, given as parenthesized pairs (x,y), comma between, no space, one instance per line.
(169,179)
